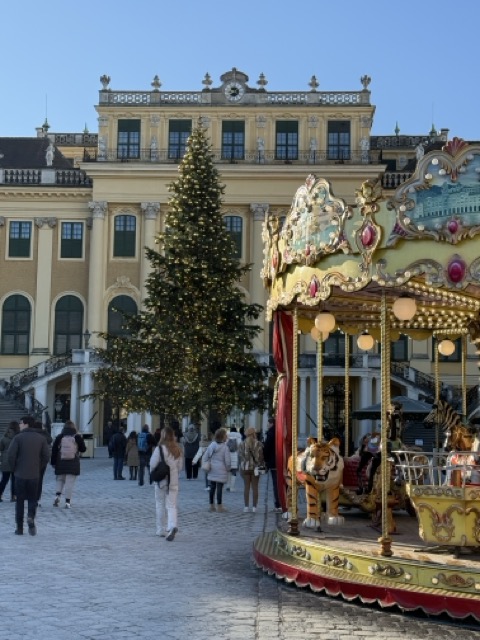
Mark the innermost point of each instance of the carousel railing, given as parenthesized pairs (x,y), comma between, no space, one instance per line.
(439,469)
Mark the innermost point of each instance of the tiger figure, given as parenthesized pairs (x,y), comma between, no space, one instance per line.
(319,468)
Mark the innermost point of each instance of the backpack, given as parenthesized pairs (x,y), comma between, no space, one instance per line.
(232,445)
(142,443)
(161,471)
(68,448)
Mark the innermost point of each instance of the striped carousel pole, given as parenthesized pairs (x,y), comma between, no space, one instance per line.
(385,540)
(347,395)
(293,522)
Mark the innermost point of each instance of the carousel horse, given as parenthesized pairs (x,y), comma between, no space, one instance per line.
(319,468)
(458,437)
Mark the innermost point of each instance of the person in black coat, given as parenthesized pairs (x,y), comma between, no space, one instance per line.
(67,468)
(117,448)
(269,455)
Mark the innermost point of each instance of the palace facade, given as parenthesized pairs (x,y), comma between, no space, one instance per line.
(77,210)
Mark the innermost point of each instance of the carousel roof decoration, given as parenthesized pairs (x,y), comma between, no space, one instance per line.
(345,258)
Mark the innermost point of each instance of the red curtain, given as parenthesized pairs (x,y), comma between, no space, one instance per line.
(283,358)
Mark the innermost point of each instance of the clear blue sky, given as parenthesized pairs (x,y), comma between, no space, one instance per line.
(423,57)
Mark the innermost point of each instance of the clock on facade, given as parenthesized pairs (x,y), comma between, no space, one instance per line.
(234,91)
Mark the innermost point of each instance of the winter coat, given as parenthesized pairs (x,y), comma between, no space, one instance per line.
(118,445)
(269,453)
(191,443)
(234,435)
(131,452)
(251,454)
(28,454)
(67,467)
(175,464)
(220,460)
(4,444)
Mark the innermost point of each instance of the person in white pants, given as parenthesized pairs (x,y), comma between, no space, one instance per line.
(233,443)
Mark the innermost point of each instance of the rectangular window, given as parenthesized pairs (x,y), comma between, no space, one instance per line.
(339,140)
(178,134)
(128,144)
(286,140)
(234,226)
(72,240)
(19,239)
(399,349)
(233,140)
(124,237)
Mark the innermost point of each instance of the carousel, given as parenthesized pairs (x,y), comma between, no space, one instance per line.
(407,265)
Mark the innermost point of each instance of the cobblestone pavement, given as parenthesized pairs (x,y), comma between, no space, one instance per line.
(98,572)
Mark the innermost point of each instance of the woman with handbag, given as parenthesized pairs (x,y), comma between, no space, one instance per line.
(216,461)
(251,461)
(166,491)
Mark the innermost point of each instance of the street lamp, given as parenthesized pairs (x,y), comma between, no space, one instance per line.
(86,338)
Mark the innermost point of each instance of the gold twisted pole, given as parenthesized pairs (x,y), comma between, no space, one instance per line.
(436,369)
(464,377)
(385,540)
(293,522)
(347,395)
(320,388)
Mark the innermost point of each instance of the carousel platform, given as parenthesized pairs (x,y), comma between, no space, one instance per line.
(345,560)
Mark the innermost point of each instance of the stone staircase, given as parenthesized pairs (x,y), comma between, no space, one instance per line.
(9,410)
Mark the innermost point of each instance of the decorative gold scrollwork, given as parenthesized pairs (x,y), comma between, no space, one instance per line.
(386,570)
(453,580)
(336,561)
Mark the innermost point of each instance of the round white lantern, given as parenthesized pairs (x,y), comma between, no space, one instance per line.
(325,322)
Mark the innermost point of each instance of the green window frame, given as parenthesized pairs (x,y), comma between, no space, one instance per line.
(178,133)
(19,241)
(71,245)
(234,226)
(16,317)
(68,332)
(339,140)
(233,140)
(399,349)
(286,140)
(124,236)
(119,308)
(128,141)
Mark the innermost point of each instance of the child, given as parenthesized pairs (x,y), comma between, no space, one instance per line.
(131,455)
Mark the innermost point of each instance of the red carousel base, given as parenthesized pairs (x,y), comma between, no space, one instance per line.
(346,561)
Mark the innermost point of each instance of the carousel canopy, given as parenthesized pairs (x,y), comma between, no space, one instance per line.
(411,409)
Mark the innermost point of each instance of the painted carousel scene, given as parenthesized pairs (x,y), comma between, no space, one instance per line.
(393,520)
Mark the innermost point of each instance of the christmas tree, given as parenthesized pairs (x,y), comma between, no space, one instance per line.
(189,351)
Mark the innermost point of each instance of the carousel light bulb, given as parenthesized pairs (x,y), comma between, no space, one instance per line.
(365,341)
(325,322)
(446,347)
(404,308)
(315,334)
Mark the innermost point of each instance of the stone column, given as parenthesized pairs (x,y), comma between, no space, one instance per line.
(86,407)
(74,399)
(96,273)
(257,292)
(313,404)
(151,211)
(365,401)
(43,286)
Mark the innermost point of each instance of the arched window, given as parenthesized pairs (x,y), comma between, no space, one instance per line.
(68,325)
(234,225)
(16,325)
(118,308)
(124,237)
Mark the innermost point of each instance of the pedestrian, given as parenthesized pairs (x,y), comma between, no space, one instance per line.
(204,442)
(28,453)
(251,459)
(166,491)
(41,429)
(191,444)
(177,430)
(131,455)
(270,457)
(145,443)
(6,469)
(233,442)
(218,455)
(117,447)
(66,460)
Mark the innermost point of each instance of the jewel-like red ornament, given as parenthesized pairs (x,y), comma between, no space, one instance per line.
(452,226)
(456,270)
(313,287)
(368,236)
